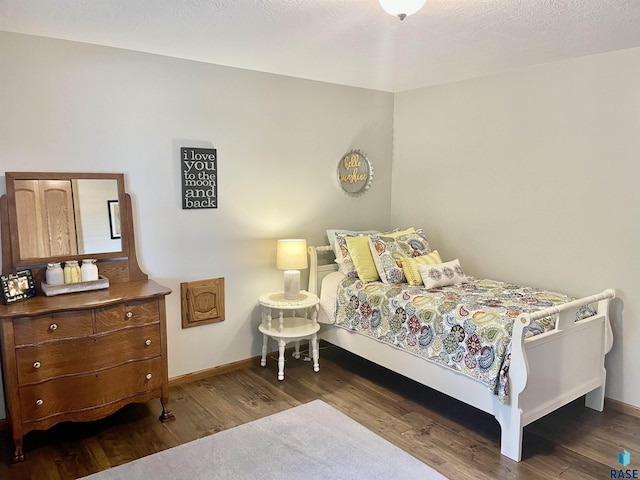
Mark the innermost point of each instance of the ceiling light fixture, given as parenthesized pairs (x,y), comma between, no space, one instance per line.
(401,8)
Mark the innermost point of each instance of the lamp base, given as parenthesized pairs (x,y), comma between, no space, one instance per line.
(291,284)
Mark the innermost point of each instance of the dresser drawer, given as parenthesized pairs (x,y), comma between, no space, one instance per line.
(127,314)
(72,394)
(33,330)
(88,354)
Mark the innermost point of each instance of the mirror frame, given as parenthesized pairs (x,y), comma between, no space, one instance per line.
(18,260)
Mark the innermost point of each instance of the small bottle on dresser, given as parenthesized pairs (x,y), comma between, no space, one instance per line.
(89,270)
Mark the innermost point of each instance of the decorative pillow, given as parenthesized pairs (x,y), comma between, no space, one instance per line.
(397,232)
(362,260)
(343,256)
(410,266)
(448,273)
(332,232)
(387,252)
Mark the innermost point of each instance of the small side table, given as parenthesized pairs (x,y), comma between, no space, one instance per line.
(301,324)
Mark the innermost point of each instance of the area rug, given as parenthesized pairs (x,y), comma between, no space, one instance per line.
(311,441)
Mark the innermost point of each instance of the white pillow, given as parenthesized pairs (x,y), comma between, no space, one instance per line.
(442,274)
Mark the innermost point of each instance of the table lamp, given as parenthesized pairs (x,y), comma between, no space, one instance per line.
(291,257)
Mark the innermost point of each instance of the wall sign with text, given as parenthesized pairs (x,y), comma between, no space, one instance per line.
(199,178)
(355,172)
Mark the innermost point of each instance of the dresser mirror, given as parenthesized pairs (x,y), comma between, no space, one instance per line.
(61,216)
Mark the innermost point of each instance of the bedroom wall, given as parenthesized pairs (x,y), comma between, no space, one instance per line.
(67,106)
(531,176)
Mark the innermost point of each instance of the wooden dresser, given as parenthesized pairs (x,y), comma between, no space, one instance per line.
(82,356)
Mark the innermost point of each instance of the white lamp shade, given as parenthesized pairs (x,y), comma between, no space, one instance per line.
(291,254)
(401,8)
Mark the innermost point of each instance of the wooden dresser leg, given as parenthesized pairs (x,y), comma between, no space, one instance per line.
(18,454)
(166,416)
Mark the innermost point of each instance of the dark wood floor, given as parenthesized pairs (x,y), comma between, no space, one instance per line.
(459,441)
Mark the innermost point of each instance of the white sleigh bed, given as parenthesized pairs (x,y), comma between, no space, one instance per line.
(546,371)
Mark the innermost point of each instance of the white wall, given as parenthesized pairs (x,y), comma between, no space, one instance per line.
(532,176)
(68,106)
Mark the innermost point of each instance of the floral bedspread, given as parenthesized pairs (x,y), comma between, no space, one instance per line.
(466,327)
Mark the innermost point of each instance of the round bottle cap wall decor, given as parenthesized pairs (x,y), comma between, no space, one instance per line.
(355,172)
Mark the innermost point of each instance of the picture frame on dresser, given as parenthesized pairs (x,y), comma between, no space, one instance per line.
(17,286)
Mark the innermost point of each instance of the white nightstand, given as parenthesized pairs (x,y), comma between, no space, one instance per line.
(301,324)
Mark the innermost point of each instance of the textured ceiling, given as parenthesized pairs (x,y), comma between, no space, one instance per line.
(350,42)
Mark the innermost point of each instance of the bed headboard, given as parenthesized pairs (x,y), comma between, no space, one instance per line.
(318,272)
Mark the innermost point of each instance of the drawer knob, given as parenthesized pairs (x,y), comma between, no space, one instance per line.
(36,364)
(149,376)
(147,342)
(53,327)
(129,314)
(39,402)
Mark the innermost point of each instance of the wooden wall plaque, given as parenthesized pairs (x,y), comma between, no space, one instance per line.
(202,302)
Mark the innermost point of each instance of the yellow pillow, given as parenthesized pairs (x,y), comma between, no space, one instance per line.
(397,233)
(410,266)
(362,258)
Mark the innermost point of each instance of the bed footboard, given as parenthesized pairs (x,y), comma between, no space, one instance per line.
(552,369)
